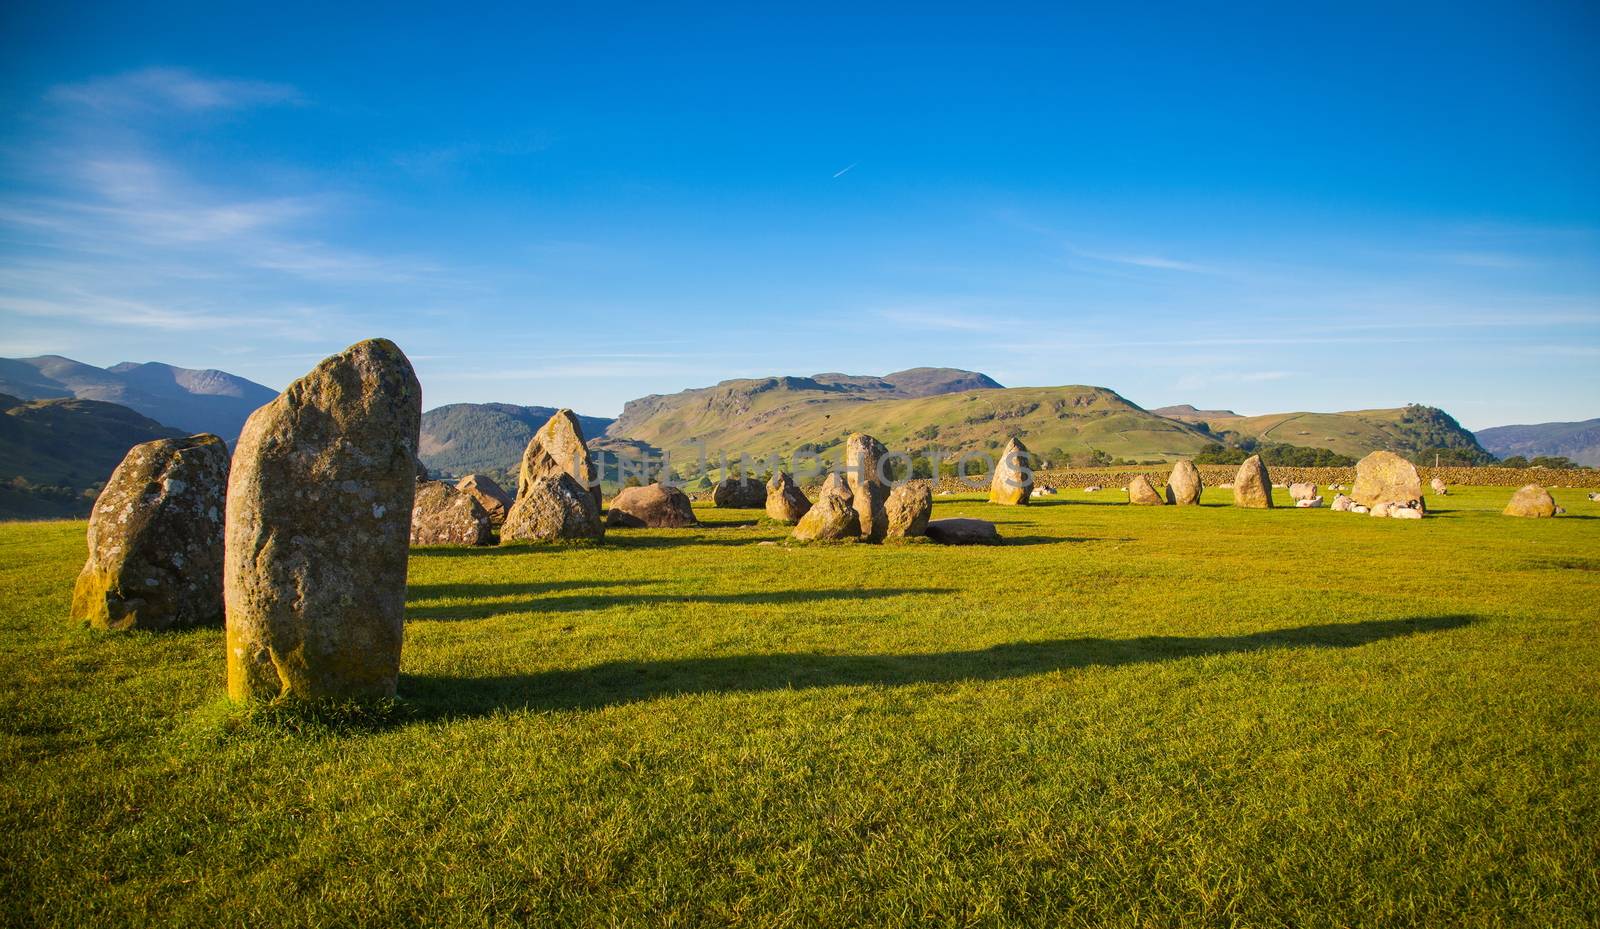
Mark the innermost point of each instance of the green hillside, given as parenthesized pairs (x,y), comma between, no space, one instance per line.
(781,414)
(461,438)
(1412,430)
(55,454)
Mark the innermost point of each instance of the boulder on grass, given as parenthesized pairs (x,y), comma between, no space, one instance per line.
(908,509)
(553,509)
(740,493)
(1012,484)
(443,515)
(319,529)
(1252,486)
(833,517)
(1384,477)
(1143,493)
(868,489)
(1184,485)
(1531,501)
(962,532)
(786,502)
(558,448)
(155,539)
(490,495)
(655,506)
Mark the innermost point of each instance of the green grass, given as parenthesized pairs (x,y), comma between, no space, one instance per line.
(1127,716)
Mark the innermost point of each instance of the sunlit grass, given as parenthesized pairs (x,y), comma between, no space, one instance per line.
(1126,716)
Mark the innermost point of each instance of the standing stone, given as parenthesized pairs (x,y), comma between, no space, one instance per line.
(1384,477)
(833,516)
(155,539)
(1012,484)
(1143,493)
(1184,484)
(786,502)
(443,515)
(869,492)
(908,509)
(558,448)
(1532,501)
(656,506)
(554,508)
(319,517)
(1302,491)
(491,496)
(740,493)
(1252,486)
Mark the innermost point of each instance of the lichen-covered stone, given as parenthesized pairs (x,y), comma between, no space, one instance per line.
(443,515)
(1532,501)
(558,448)
(155,539)
(319,525)
(786,502)
(868,489)
(961,531)
(908,508)
(553,509)
(1012,484)
(1184,485)
(654,506)
(833,517)
(1252,485)
(1384,477)
(1143,493)
(741,493)
(490,495)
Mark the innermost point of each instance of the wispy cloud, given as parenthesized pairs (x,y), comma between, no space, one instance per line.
(845,170)
(1156,262)
(169,89)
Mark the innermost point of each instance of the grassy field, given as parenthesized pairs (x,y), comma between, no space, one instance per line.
(1124,717)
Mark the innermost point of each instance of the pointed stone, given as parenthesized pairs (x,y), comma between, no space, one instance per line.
(833,517)
(1012,484)
(553,509)
(490,495)
(155,539)
(868,489)
(908,509)
(786,502)
(318,531)
(558,448)
(1143,493)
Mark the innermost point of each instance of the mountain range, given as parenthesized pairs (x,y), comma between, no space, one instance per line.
(183,398)
(1578,441)
(67,424)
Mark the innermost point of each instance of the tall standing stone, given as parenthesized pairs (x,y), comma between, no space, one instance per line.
(1012,484)
(1143,493)
(1384,477)
(319,521)
(909,507)
(868,489)
(155,539)
(490,495)
(1184,484)
(1252,486)
(558,448)
(553,509)
(786,502)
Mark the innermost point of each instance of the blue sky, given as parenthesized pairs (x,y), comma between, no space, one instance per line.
(1260,207)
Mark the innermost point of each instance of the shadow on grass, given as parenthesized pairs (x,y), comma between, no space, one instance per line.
(415,592)
(602,601)
(432,697)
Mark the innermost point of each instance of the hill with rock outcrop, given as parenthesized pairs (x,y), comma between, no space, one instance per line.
(1410,430)
(183,398)
(1578,441)
(55,454)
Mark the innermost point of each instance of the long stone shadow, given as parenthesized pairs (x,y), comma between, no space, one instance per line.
(601,600)
(415,592)
(434,697)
